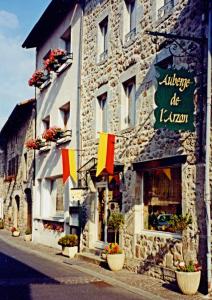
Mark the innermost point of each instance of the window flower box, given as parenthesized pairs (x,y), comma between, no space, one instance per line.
(37,78)
(52,134)
(35,144)
(55,59)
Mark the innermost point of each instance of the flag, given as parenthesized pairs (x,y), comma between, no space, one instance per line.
(69,165)
(105,157)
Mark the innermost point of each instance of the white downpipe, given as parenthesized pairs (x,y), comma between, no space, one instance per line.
(208,150)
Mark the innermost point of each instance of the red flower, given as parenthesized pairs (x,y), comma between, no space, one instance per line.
(33,143)
(36,76)
(53,58)
(51,133)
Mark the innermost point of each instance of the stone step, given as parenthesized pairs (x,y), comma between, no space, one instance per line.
(94,251)
(92,258)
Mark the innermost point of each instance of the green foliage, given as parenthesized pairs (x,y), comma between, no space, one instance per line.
(1,224)
(28,231)
(180,222)
(69,240)
(116,220)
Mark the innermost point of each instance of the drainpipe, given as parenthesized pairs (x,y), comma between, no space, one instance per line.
(208,150)
(79,92)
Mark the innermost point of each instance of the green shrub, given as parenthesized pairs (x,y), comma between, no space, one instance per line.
(28,231)
(1,224)
(69,240)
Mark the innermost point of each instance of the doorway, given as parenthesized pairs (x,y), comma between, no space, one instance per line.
(102,195)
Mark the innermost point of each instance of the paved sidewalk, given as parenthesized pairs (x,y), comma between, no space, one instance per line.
(150,287)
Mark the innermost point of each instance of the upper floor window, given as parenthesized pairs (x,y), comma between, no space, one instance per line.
(46,123)
(103,40)
(66,40)
(65,115)
(101,113)
(56,193)
(129,20)
(164,7)
(12,169)
(128,104)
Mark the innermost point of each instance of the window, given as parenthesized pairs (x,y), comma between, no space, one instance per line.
(164,7)
(56,193)
(129,104)
(66,40)
(46,123)
(129,20)
(65,115)
(13,166)
(101,113)
(103,39)
(162,197)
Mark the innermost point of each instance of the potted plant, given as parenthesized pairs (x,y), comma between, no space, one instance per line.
(69,244)
(52,134)
(188,277)
(178,223)
(15,232)
(28,235)
(1,224)
(116,222)
(115,256)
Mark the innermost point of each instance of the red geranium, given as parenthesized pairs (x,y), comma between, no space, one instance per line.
(53,58)
(36,76)
(33,143)
(51,133)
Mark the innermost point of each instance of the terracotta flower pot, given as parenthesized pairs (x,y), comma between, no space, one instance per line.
(188,282)
(115,261)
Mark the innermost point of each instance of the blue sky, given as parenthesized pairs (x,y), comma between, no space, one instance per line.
(17,18)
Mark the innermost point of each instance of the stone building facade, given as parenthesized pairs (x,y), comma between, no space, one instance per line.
(17,167)
(119,81)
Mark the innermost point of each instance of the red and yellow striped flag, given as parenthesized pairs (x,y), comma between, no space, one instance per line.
(69,164)
(105,157)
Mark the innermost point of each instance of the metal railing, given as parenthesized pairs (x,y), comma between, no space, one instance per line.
(166,9)
(130,36)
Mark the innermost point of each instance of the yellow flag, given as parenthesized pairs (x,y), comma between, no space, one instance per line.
(167,172)
(72,164)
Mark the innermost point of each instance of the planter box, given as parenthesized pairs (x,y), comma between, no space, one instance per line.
(28,237)
(69,251)
(115,261)
(188,282)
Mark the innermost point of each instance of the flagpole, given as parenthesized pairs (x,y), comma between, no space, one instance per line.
(121,136)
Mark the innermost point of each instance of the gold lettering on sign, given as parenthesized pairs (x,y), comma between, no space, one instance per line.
(180,82)
(175,101)
(166,116)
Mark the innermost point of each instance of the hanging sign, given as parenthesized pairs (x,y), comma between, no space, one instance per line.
(174,100)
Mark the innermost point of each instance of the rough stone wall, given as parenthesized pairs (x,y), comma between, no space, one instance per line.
(143,143)
(21,185)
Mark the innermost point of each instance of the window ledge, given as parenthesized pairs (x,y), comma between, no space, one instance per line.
(52,219)
(162,234)
(45,149)
(45,84)
(63,140)
(64,66)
